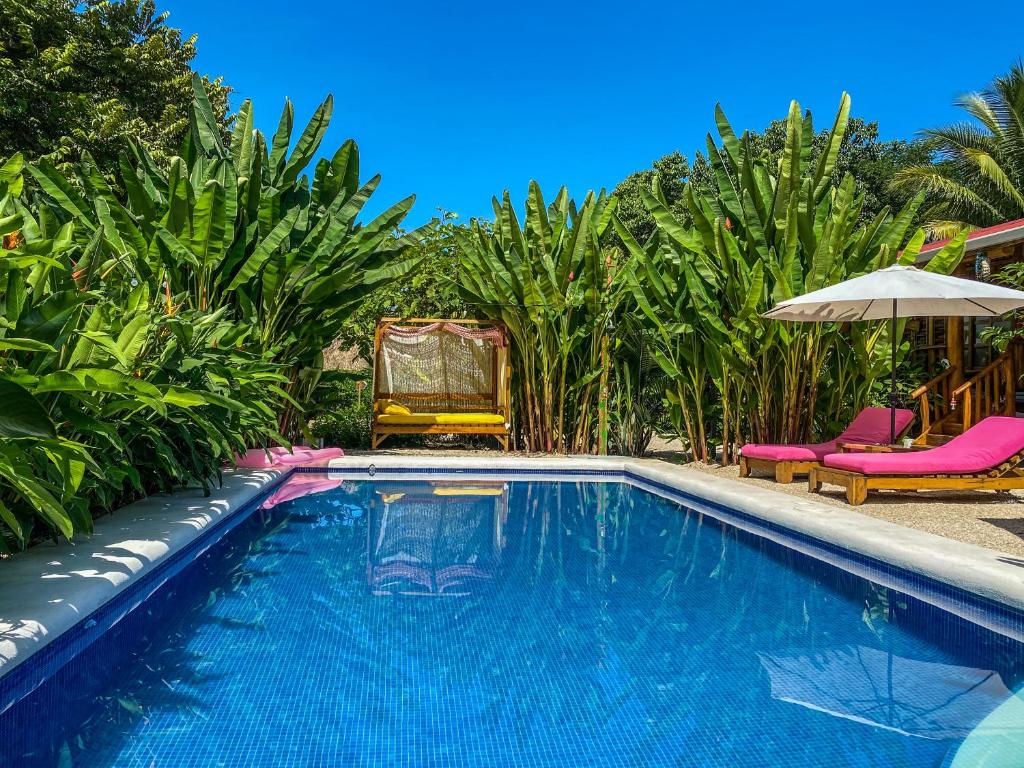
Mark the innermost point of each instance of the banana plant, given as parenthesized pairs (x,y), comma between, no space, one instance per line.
(149,333)
(107,397)
(548,281)
(240,226)
(768,231)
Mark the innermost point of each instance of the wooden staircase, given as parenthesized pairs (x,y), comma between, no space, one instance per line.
(947,408)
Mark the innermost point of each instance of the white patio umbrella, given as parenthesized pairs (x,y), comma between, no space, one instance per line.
(899,291)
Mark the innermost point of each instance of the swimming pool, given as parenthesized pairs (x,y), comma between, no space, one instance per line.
(493,622)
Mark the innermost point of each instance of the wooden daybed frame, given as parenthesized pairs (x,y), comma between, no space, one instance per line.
(1007,476)
(489,403)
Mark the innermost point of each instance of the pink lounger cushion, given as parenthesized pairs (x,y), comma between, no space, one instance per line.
(871,426)
(794,452)
(257,458)
(984,446)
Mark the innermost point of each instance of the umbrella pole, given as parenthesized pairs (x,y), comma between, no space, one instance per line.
(892,375)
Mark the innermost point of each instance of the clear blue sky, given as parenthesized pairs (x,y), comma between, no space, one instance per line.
(456,101)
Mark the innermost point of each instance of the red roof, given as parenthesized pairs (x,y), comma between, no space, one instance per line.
(978,234)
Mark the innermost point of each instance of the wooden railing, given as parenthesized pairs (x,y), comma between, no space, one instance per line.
(935,401)
(945,409)
(990,392)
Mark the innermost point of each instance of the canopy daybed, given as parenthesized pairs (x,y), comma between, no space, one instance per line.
(444,377)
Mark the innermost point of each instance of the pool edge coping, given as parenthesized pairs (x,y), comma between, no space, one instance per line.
(37,610)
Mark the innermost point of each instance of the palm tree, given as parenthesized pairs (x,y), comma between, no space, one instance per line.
(978,177)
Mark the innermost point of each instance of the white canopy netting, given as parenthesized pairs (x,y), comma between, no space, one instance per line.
(442,366)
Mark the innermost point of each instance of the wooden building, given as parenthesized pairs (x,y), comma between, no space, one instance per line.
(971,379)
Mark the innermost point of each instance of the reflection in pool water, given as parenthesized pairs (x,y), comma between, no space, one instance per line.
(522,623)
(434,538)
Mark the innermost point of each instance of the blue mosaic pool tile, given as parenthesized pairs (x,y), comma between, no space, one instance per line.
(461,623)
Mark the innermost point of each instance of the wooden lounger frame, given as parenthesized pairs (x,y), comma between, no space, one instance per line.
(784,470)
(1007,476)
(482,403)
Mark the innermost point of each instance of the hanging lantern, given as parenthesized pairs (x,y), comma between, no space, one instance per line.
(982,267)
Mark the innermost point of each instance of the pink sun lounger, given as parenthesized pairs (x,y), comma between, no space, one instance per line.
(258,458)
(871,427)
(985,457)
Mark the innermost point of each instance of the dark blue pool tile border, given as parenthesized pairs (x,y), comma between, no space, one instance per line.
(44,663)
(457,471)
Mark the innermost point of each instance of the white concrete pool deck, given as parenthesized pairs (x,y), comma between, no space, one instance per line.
(50,588)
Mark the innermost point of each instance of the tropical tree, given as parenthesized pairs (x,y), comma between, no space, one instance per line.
(550,283)
(106,396)
(862,153)
(88,76)
(242,228)
(765,233)
(978,177)
(148,336)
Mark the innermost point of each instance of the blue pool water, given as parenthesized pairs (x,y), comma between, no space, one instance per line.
(471,623)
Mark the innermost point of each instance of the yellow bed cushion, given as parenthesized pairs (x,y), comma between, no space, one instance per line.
(392,407)
(440,418)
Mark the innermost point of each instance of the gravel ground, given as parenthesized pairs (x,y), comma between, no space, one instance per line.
(987,519)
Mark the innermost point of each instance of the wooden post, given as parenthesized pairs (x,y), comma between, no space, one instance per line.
(955,349)
(1009,389)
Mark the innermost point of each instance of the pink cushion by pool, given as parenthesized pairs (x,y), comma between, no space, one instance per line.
(871,426)
(794,452)
(257,458)
(984,446)
(298,486)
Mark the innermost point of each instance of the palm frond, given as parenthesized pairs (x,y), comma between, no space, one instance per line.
(994,172)
(980,106)
(978,173)
(955,140)
(959,197)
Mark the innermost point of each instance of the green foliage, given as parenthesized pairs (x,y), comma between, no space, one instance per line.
(768,231)
(978,176)
(638,385)
(871,161)
(554,289)
(146,337)
(344,403)
(242,229)
(430,290)
(671,173)
(87,77)
(1000,336)
(106,396)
